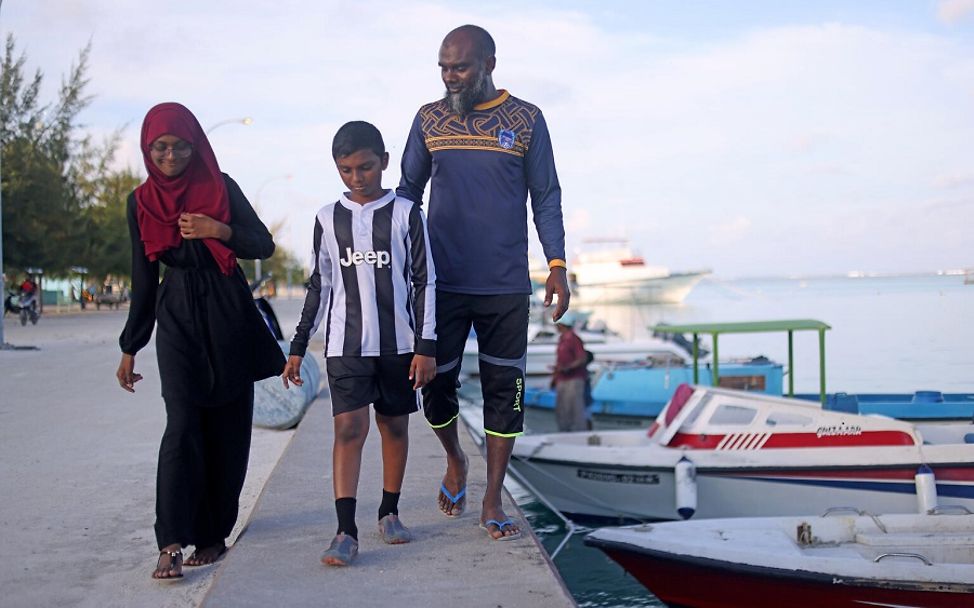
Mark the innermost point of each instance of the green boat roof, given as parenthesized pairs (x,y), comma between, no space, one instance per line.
(743,327)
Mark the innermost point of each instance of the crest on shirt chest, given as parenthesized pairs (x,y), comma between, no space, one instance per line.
(506,139)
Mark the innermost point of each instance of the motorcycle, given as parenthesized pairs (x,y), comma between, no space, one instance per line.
(22,304)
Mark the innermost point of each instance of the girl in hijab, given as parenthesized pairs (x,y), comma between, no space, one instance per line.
(211,341)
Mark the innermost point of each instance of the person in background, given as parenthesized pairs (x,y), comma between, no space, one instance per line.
(568,377)
(373,280)
(28,287)
(211,342)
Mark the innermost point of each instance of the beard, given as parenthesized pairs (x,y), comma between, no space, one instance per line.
(462,103)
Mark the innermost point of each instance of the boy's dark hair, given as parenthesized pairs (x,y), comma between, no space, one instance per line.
(357,135)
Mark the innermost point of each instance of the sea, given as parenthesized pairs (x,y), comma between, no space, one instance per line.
(889,334)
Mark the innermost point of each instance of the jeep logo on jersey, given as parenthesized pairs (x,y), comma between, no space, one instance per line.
(377,258)
(506,139)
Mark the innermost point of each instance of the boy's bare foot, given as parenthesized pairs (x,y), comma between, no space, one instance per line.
(170,565)
(206,555)
(452,497)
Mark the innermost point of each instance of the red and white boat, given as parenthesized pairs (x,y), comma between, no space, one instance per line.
(723,453)
(859,561)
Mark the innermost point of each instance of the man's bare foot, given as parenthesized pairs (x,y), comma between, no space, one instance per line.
(206,555)
(170,564)
(452,497)
(498,525)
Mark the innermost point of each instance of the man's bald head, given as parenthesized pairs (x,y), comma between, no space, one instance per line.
(466,63)
(476,35)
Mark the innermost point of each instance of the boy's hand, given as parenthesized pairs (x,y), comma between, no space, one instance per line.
(422,370)
(292,371)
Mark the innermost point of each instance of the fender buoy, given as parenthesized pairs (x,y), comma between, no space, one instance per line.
(926,490)
(685,481)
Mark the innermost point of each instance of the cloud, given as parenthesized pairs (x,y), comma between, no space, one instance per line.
(730,232)
(954,180)
(661,139)
(953,11)
(578,221)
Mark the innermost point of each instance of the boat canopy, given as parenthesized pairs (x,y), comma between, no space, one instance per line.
(745,327)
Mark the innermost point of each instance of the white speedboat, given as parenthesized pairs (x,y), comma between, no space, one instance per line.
(619,275)
(833,560)
(604,345)
(724,453)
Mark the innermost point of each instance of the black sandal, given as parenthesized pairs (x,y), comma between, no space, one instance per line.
(175,563)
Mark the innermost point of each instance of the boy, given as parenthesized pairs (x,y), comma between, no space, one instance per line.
(373,282)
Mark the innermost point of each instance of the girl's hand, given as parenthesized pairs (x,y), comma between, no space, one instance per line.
(126,373)
(199,226)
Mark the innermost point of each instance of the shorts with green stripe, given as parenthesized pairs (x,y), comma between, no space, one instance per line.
(501,326)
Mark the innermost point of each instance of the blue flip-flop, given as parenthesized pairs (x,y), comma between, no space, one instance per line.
(500,526)
(454,500)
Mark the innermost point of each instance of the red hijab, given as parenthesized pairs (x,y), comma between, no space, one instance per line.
(198,189)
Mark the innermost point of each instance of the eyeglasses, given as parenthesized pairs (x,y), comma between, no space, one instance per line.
(180,150)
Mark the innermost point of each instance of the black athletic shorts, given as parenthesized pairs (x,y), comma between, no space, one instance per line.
(382,381)
(501,323)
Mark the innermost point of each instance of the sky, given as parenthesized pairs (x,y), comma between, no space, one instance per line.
(751,138)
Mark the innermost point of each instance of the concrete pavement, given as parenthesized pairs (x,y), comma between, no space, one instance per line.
(77,492)
(451,562)
(77,470)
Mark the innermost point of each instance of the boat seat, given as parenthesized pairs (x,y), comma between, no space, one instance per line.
(969,438)
(842,402)
(928,397)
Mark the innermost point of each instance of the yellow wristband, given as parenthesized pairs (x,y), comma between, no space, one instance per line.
(556,263)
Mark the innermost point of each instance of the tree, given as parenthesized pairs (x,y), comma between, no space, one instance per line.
(42,215)
(108,250)
(279,266)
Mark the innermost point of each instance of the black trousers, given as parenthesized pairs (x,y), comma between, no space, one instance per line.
(202,465)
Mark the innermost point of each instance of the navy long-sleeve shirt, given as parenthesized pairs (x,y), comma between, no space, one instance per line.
(483,166)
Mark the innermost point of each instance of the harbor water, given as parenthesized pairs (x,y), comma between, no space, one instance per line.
(889,334)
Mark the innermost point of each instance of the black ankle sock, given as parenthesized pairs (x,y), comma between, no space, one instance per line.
(346,516)
(390,504)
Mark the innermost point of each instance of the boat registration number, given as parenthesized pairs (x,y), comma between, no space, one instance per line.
(651,479)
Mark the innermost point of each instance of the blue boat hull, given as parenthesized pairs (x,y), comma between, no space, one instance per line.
(633,396)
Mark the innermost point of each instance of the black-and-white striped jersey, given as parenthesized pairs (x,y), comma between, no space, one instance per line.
(372,281)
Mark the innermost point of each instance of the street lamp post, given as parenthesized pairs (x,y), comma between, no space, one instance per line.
(81,271)
(287,176)
(246,120)
(3,278)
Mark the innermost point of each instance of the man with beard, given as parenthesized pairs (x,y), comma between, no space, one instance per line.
(486,151)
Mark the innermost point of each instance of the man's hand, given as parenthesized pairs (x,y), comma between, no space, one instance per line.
(126,373)
(422,370)
(557,284)
(199,226)
(292,371)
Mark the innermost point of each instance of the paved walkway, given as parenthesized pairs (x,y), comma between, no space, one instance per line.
(77,471)
(451,562)
(77,476)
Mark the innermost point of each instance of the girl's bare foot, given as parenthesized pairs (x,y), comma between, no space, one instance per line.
(206,555)
(170,564)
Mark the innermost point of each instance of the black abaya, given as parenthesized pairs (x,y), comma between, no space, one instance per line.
(212,344)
